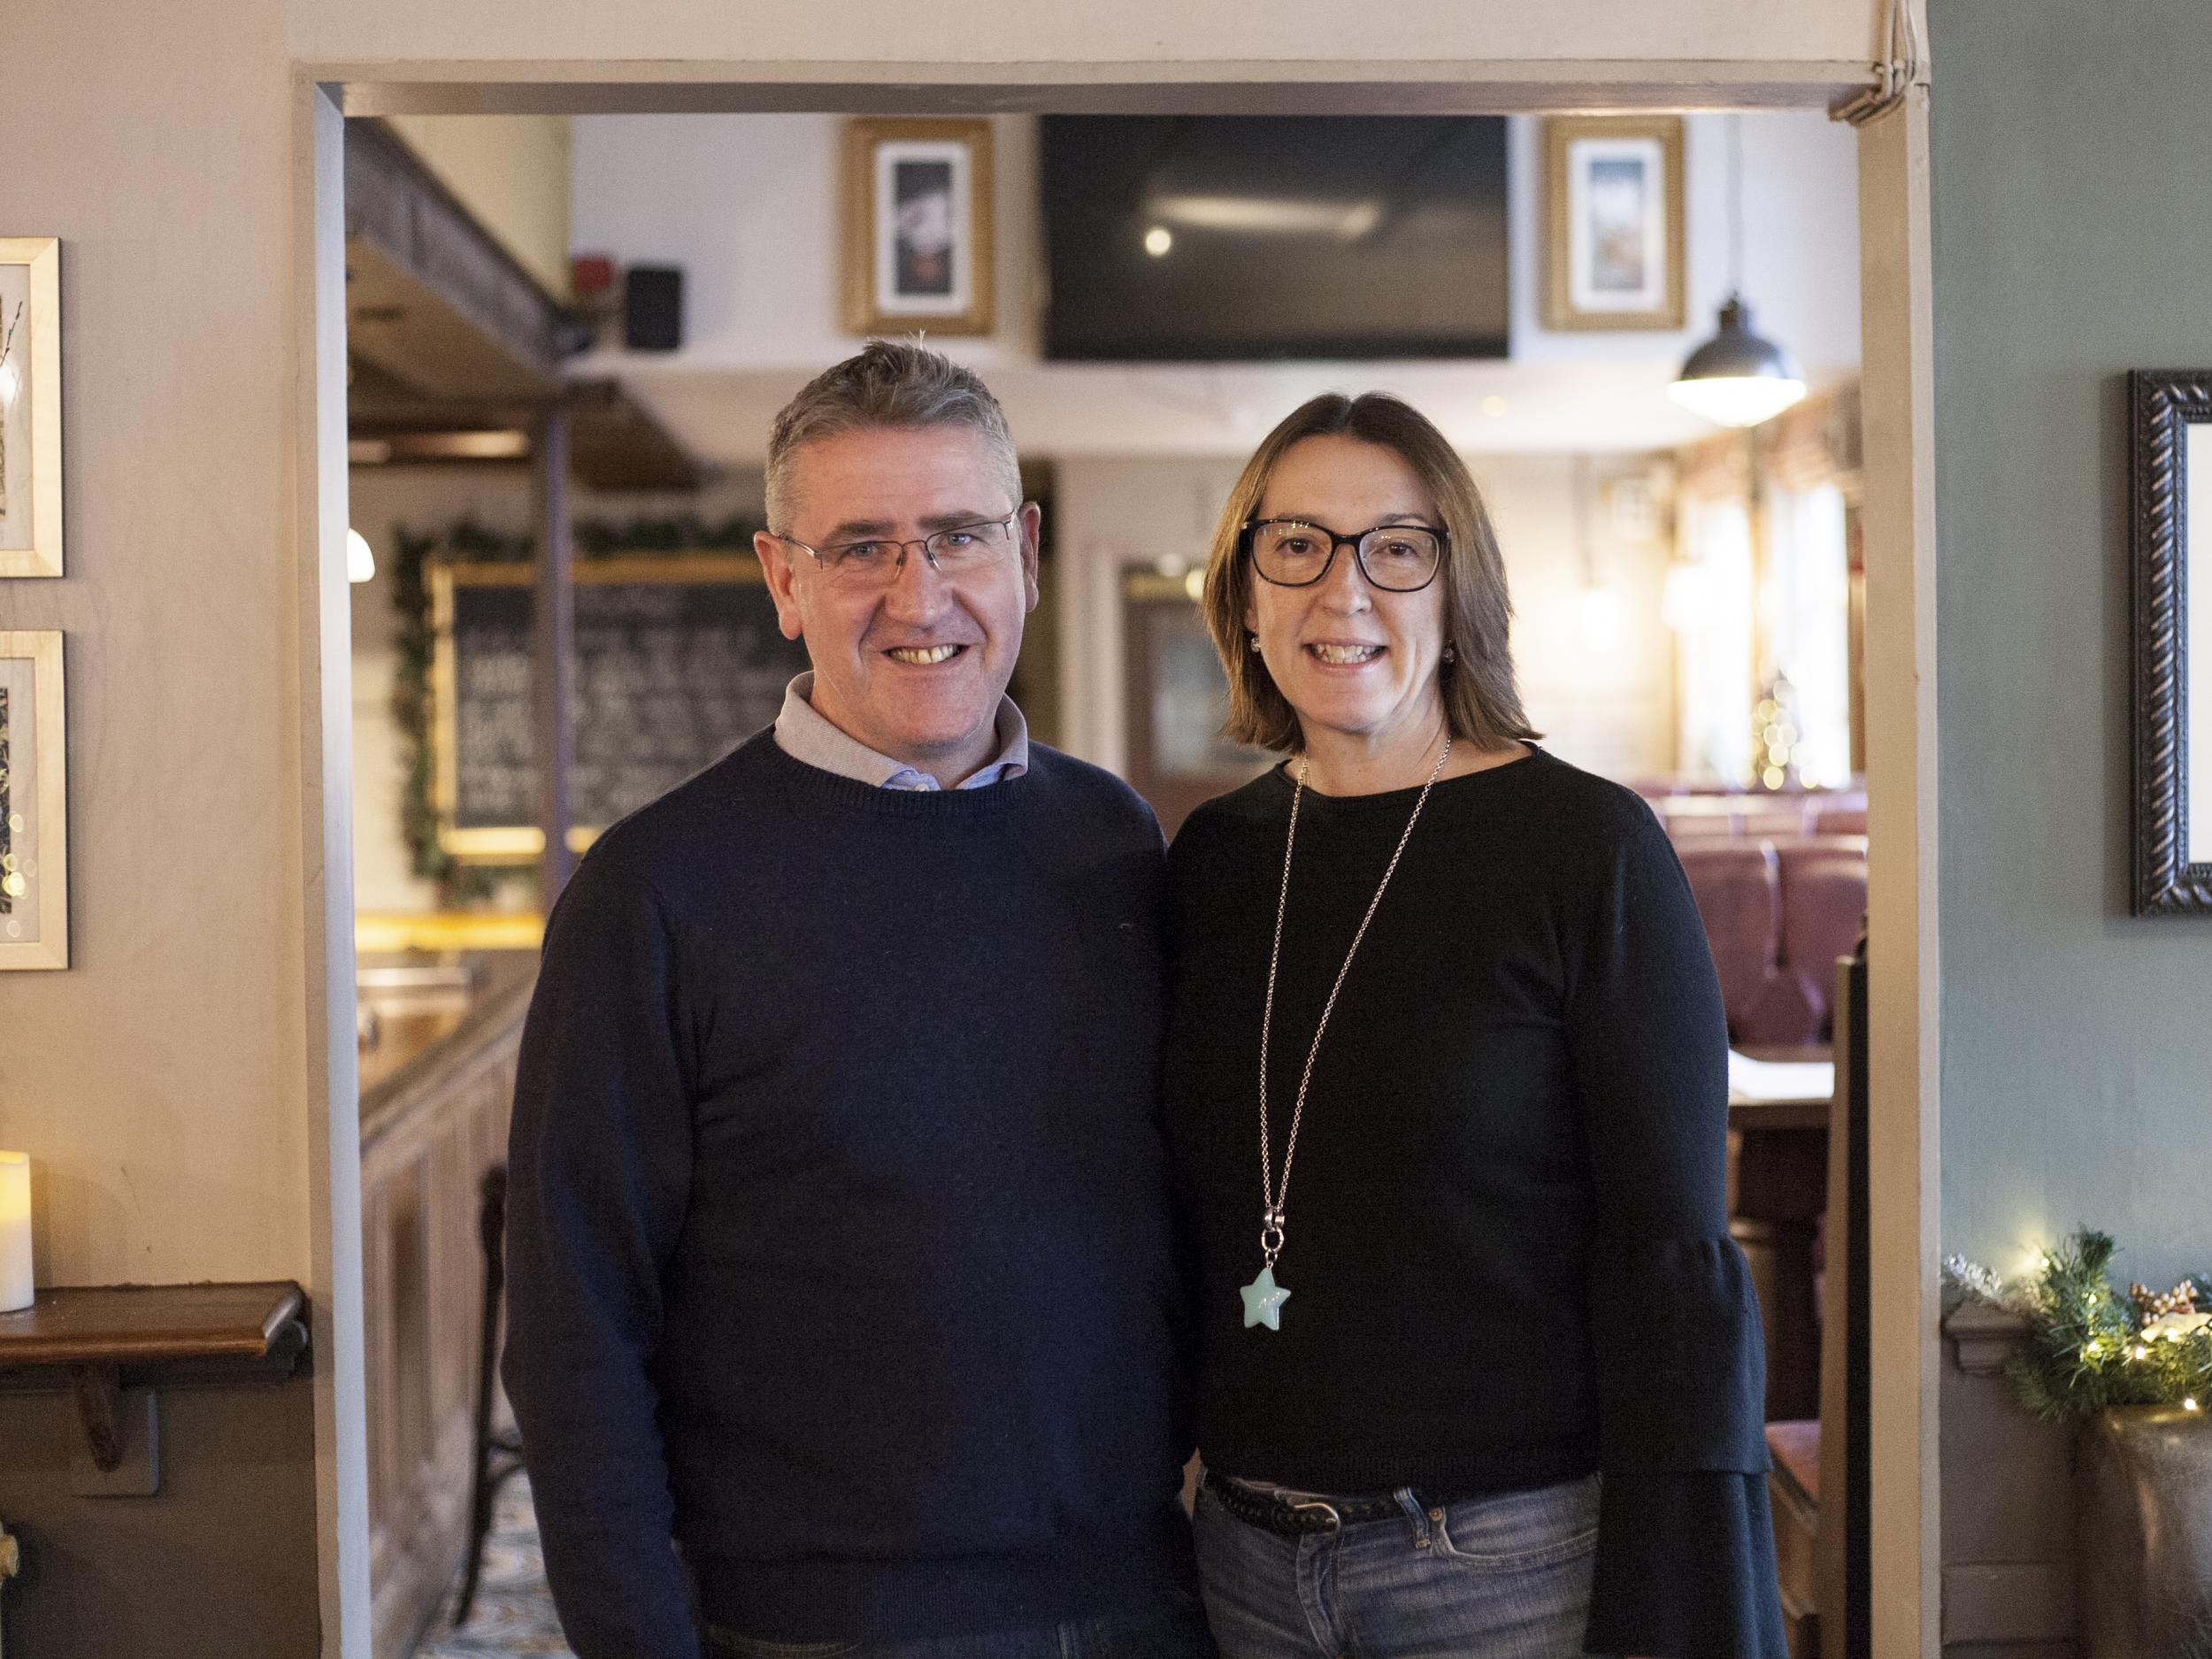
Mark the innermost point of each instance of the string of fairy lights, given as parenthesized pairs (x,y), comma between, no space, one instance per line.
(2090,1347)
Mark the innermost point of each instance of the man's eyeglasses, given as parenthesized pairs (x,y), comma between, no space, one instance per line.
(877,562)
(1399,558)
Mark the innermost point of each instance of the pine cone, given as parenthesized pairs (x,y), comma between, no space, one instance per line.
(2181,1298)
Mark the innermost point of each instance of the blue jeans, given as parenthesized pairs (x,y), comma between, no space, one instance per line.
(1505,1577)
(1172,1631)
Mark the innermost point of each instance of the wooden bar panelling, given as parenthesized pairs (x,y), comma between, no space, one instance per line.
(428,1133)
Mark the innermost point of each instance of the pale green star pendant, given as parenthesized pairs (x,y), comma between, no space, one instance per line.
(1263,1298)
(1264,1301)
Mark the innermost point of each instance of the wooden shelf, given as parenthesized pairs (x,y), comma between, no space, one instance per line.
(153,1325)
(98,1339)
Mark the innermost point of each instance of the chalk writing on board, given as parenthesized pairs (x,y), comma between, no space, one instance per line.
(670,677)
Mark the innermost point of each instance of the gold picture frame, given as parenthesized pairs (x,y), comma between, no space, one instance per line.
(34,803)
(30,406)
(918,243)
(1614,253)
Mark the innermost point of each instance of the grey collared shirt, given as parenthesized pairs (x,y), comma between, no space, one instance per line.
(807,735)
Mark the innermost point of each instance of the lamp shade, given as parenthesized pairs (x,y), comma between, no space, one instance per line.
(1738,378)
(360,557)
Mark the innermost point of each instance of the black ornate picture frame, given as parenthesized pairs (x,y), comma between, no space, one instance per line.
(2171,451)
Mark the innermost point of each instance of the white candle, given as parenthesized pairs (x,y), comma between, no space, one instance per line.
(15,1231)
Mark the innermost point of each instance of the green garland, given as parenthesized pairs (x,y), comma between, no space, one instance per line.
(2089,1346)
(460,885)
(415,648)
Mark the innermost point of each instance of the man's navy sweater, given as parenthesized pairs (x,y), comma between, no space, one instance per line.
(838,1232)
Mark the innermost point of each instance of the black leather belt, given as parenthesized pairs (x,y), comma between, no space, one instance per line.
(1295,1515)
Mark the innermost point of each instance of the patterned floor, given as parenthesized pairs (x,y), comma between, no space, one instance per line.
(513,1615)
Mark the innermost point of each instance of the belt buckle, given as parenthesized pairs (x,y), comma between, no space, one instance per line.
(1331,1521)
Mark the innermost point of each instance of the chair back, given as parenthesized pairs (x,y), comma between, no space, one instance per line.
(1738,891)
(1824,912)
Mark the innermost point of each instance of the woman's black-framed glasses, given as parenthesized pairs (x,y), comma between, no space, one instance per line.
(1399,559)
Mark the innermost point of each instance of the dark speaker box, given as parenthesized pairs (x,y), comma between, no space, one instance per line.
(653,308)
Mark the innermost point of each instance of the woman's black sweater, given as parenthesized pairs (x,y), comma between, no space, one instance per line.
(1508,1248)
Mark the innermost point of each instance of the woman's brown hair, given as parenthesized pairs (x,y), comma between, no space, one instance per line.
(1481,704)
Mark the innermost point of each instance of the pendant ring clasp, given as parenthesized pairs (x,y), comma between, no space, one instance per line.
(1270,1242)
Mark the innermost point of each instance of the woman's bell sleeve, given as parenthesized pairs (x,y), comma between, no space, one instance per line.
(1686,1549)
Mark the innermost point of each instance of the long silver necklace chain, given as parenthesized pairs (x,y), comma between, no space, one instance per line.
(1275,1197)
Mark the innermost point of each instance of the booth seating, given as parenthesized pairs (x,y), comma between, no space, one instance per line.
(1738,886)
(1778,912)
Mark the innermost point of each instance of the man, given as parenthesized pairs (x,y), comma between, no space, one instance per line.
(838,1234)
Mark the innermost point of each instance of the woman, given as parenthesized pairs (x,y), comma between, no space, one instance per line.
(1447,1088)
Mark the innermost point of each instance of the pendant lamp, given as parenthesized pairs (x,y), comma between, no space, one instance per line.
(1738,378)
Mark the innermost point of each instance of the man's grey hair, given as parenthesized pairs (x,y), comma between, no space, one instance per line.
(893,384)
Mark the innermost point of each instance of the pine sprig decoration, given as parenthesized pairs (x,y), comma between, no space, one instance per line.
(415,646)
(2089,1348)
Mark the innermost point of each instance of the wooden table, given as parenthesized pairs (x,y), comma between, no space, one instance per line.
(1778,1188)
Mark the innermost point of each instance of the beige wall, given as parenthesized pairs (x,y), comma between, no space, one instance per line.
(512,172)
(171,1085)
(159,1084)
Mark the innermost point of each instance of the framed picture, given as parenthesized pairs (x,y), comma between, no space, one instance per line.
(2172,536)
(918,226)
(34,805)
(30,406)
(1613,253)
(1177,700)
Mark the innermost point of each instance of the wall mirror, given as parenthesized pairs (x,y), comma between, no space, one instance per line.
(2172,552)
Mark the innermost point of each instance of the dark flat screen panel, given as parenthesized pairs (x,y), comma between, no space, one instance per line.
(1290,236)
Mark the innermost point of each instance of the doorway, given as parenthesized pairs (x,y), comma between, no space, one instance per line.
(1899,721)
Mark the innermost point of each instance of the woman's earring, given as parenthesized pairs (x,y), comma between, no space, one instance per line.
(1451,653)
(1251,641)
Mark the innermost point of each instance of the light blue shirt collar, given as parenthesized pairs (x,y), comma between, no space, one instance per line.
(807,735)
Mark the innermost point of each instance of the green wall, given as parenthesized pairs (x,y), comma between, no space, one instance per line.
(2072,188)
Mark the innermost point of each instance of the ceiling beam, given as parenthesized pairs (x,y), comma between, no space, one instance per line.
(431,299)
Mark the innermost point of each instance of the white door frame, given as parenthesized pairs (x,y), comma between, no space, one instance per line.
(1897,403)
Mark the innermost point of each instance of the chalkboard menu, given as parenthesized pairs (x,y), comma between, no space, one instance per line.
(677,661)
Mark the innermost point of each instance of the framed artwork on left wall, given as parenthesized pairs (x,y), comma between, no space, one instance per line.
(30,406)
(33,804)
